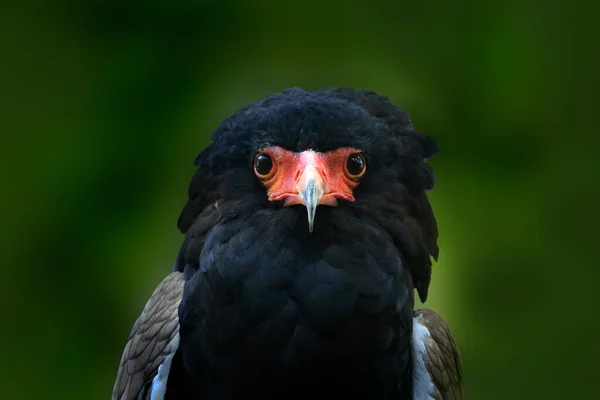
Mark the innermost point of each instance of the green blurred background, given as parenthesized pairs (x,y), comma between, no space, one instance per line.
(105,104)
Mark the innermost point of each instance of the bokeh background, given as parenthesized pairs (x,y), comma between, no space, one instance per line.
(105,104)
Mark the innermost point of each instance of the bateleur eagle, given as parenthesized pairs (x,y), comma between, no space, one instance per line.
(307,229)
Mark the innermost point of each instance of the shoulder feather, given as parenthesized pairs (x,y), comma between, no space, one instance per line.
(151,339)
(437,369)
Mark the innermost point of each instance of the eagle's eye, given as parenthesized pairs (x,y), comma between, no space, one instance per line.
(355,166)
(263,165)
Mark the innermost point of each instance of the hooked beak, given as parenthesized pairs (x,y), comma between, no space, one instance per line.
(311,188)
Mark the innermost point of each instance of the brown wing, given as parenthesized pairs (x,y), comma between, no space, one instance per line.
(151,339)
(435,346)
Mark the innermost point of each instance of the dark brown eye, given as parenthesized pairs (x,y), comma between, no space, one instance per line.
(355,166)
(263,164)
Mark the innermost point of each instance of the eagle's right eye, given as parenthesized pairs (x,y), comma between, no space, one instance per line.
(263,165)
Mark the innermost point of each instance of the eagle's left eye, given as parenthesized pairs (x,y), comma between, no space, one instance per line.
(355,166)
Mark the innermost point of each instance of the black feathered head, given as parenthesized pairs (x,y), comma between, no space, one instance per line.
(347,150)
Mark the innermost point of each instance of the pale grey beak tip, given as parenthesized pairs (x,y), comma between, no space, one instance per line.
(312,194)
(311,221)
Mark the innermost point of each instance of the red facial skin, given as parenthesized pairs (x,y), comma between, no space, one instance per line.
(291,171)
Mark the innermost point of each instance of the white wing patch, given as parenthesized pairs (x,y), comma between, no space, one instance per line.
(159,383)
(423,387)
